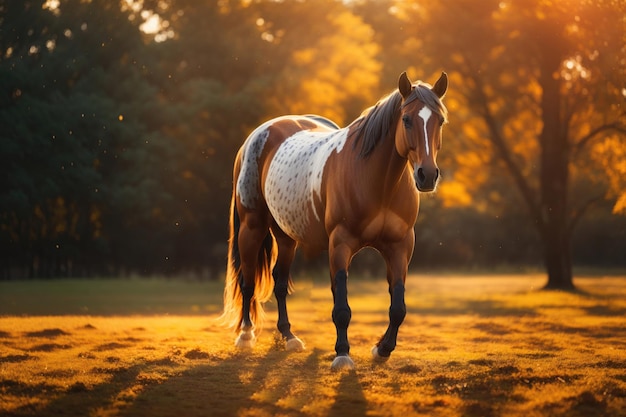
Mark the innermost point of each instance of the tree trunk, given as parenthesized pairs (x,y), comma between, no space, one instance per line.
(555,155)
(558,260)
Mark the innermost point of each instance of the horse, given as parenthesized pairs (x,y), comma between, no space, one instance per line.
(303,182)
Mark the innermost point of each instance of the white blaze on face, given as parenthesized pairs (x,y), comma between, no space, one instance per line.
(425,114)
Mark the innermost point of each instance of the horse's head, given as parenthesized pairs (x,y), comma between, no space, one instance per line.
(418,134)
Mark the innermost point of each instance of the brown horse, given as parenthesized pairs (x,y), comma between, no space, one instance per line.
(302,181)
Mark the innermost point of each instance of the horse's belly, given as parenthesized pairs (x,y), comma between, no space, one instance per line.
(294,181)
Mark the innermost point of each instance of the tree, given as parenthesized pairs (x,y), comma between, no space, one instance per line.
(332,69)
(120,119)
(75,106)
(544,81)
(231,65)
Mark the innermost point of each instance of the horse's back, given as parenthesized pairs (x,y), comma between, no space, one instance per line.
(282,162)
(323,120)
(250,163)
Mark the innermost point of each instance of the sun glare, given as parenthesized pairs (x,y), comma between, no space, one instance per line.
(573,68)
(51,4)
(152,24)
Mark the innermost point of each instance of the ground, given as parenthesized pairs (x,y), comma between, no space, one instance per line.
(470,346)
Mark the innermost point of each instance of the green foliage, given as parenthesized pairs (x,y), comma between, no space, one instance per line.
(74,116)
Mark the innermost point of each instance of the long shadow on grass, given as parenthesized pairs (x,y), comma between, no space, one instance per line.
(256,383)
(487,390)
(78,400)
(215,390)
(243,383)
(350,399)
(269,384)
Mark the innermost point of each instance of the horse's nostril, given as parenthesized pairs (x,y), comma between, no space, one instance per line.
(420,175)
(436,175)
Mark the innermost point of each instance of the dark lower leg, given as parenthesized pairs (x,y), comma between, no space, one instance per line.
(281,274)
(247,291)
(341,313)
(397,312)
(281,289)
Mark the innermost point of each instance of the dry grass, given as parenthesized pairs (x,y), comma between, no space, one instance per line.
(472,346)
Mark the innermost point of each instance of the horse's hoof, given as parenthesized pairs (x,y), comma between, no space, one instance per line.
(294,345)
(245,340)
(376,356)
(342,362)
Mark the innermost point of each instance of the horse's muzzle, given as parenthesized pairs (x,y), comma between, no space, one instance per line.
(426,178)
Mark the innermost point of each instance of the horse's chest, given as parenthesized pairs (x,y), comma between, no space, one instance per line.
(294,180)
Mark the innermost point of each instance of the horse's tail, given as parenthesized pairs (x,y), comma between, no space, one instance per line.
(233,299)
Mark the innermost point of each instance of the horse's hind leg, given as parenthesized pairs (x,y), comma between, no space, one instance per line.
(281,274)
(252,235)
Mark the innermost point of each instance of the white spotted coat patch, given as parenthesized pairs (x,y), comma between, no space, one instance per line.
(248,185)
(295,177)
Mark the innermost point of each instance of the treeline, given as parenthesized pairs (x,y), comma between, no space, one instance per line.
(119,122)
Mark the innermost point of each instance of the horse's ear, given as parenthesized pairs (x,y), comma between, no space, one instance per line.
(404,85)
(441,86)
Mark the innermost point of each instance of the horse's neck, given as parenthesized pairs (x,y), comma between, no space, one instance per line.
(388,156)
(384,167)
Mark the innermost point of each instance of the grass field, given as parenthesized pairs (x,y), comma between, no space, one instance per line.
(470,346)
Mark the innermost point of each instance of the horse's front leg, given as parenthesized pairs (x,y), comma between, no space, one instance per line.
(340,254)
(341,318)
(397,311)
(397,257)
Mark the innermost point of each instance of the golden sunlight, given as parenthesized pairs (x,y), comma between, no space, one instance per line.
(573,69)
(151,24)
(454,194)
(51,4)
(485,343)
(154,25)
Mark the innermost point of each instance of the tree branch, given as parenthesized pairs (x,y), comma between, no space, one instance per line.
(578,213)
(616,126)
(505,154)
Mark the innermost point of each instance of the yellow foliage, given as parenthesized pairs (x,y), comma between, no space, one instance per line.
(470,167)
(454,194)
(620,205)
(523,131)
(610,154)
(304,56)
(340,70)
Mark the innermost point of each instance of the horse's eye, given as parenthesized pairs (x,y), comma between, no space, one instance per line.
(406,120)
